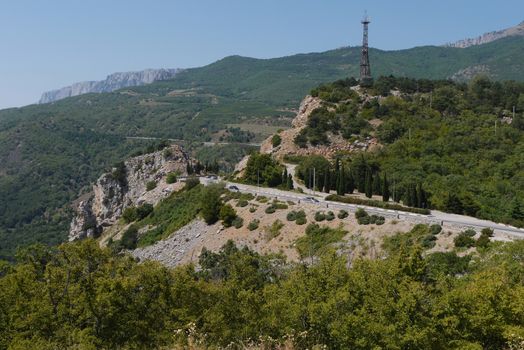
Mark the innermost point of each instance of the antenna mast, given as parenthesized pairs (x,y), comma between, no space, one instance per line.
(365,69)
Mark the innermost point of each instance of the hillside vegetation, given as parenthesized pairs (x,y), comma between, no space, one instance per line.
(81,296)
(48,153)
(447,146)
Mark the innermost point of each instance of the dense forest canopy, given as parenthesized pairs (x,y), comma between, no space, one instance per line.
(81,296)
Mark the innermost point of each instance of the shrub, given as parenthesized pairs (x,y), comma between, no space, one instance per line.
(227,214)
(373,219)
(151,185)
(380,220)
(129,238)
(143,211)
(342,214)
(171,178)
(301,221)
(274,230)
(320,216)
(242,203)
(129,214)
(464,240)
(262,199)
(271,209)
(363,220)
(238,222)
(470,232)
(360,213)
(252,209)
(428,241)
(487,232)
(330,216)
(191,182)
(276,140)
(291,216)
(253,225)
(435,229)
(280,205)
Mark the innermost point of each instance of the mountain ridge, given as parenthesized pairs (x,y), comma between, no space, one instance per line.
(488,37)
(111,83)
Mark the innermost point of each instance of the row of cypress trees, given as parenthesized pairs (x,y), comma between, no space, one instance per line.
(367,179)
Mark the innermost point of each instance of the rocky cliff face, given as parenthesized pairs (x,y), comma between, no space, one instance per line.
(111,83)
(115,191)
(489,37)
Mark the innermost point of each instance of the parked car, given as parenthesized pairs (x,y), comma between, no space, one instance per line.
(311,200)
(233,188)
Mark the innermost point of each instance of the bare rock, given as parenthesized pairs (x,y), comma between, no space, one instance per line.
(112,194)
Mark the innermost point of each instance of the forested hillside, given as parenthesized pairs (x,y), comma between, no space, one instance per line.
(447,146)
(82,296)
(48,153)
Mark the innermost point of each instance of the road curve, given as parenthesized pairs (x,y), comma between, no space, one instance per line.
(436,217)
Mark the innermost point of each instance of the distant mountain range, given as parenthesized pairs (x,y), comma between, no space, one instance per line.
(489,37)
(111,83)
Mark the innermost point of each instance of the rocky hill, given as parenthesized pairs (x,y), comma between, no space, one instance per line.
(113,82)
(517,30)
(127,186)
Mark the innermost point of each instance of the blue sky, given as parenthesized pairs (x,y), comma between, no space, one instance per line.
(50,44)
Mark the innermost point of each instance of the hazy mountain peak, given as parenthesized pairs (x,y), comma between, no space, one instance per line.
(113,82)
(489,37)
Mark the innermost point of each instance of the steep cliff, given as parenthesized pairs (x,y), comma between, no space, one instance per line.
(489,37)
(127,186)
(111,83)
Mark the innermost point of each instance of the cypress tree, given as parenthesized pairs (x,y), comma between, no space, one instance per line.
(376,185)
(341,186)
(368,184)
(419,195)
(350,183)
(412,194)
(385,189)
(289,182)
(284,176)
(327,186)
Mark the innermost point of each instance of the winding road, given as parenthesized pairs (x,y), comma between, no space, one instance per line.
(436,217)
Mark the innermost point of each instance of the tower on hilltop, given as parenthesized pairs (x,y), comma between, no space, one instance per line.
(365,69)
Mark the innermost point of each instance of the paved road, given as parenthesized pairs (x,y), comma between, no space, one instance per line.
(204,143)
(436,217)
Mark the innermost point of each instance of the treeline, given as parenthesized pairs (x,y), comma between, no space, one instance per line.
(345,176)
(262,169)
(199,168)
(81,296)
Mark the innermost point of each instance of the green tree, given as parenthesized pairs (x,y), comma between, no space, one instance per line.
(227,214)
(385,189)
(210,204)
(369,185)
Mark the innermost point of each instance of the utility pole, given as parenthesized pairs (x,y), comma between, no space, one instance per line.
(314,180)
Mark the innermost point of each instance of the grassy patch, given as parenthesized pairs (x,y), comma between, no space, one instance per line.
(317,239)
(171,214)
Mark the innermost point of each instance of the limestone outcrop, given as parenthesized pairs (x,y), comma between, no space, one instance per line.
(113,82)
(125,186)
